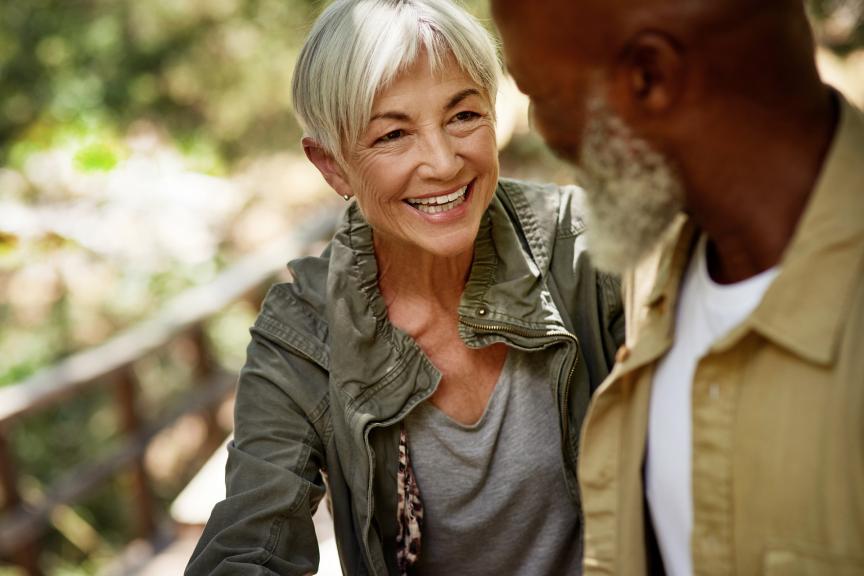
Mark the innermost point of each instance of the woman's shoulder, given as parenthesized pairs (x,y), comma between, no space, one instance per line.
(294,313)
(550,216)
(552,206)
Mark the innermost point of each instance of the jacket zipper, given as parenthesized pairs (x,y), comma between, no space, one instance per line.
(371,463)
(559,335)
(491,328)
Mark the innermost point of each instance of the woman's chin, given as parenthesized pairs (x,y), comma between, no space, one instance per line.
(450,245)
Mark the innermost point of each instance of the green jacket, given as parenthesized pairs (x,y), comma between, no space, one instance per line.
(328,379)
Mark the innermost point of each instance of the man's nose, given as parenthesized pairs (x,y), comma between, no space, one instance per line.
(564,143)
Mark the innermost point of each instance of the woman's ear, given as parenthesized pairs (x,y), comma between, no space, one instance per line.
(650,74)
(327,165)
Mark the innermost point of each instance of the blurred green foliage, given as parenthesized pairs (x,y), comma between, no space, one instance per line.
(212,78)
(212,69)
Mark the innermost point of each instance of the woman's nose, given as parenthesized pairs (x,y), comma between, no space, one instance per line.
(440,159)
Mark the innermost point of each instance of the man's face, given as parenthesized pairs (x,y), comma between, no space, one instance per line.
(543,58)
(633,192)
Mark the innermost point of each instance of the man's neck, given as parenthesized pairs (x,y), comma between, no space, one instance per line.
(751,208)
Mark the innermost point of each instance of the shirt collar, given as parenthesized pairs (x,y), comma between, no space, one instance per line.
(652,292)
(802,309)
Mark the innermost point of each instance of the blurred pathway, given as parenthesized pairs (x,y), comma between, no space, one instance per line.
(190,512)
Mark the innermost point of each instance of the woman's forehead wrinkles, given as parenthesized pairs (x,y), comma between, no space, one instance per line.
(390,115)
(397,100)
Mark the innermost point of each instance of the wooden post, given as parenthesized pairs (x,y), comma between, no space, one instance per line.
(26,556)
(131,426)
(205,366)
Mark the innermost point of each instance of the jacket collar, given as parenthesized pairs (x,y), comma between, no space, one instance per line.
(802,310)
(506,286)
(379,370)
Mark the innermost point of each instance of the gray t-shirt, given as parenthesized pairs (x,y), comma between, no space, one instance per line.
(493,493)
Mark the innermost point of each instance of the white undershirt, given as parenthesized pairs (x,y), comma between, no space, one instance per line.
(706,312)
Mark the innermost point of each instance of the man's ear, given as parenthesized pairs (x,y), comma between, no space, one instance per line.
(650,74)
(327,165)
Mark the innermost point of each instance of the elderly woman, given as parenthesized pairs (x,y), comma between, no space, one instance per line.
(431,369)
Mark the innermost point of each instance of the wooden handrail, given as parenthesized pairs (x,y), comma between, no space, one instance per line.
(111,364)
(83,369)
(23,523)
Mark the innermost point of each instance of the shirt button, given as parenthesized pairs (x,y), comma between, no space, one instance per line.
(622,355)
(604,476)
(714,391)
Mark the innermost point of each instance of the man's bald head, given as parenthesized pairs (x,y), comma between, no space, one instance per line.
(600,17)
(663,65)
(599,30)
(680,82)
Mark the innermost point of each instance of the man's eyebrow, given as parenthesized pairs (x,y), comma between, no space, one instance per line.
(459,96)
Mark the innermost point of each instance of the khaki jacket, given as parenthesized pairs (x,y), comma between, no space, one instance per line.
(328,380)
(778,404)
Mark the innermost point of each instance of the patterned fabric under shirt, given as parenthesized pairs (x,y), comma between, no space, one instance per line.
(410,510)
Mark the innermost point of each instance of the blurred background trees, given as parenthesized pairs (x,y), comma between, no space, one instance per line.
(145,145)
(213,73)
(216,73)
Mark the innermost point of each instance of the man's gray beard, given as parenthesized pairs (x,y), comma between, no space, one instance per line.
(632,191)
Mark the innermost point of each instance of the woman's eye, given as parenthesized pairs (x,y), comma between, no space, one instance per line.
(390,136)
(465,116)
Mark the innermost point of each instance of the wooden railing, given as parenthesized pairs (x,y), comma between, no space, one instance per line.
(111,364)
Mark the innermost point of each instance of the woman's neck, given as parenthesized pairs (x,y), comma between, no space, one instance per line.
(420,288)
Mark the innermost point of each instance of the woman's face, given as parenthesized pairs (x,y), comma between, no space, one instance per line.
(426,166)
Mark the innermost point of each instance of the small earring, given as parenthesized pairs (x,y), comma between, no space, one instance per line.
(347,197)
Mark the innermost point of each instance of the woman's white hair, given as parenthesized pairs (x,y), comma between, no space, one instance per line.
(357,47)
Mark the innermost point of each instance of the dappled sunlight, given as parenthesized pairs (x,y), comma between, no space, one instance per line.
(147,149)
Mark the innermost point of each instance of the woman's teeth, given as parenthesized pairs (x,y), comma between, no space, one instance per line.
(436,204)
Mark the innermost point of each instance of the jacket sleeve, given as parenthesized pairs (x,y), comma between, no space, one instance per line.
(609,298)
(594,297)
(273,475)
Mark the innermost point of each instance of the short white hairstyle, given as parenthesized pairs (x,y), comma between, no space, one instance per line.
(357,47)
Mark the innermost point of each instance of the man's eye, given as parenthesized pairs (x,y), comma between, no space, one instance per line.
(392,135)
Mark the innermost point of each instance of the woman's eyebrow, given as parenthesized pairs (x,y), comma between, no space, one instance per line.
(454,101)
(390,116)
(459,96)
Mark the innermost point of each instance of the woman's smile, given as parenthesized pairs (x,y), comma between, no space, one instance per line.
(426,167)
(441,203)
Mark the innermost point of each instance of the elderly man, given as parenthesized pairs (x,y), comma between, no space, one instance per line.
(727,183)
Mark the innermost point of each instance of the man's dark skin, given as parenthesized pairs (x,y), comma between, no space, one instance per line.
(726,89)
